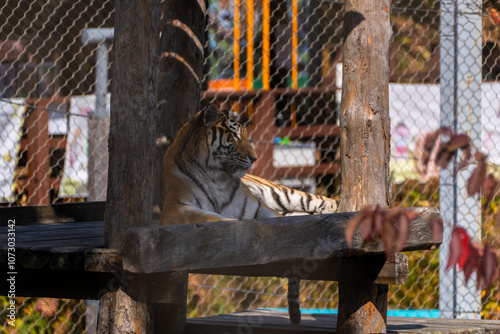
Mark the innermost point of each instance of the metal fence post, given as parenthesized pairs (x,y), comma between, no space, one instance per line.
(460,82)
(98,138)
(99,124)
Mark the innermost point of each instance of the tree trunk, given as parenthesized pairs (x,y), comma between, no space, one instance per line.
(132,156)
(365,141)
(365,128)
(179,85)
(181,63)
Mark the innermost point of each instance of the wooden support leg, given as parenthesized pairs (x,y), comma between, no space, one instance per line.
(362,307)
(125,311)
(168,293)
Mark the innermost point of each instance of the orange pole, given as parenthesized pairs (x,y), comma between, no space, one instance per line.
(250,51)
(236,49)
(295,83)
(294,44)
(250,46)
(266,61)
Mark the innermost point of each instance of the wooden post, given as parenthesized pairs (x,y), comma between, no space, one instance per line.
(365,144)
(132,155)
(38,155)
(179,86)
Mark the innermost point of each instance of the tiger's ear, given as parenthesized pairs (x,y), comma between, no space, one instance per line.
(210,115)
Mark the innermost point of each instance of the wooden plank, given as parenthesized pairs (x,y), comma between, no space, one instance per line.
(63,284)
(57,258)
(59,235)
(393,271)
(267,322)
(103,260)
(55,213)
(69,228)
(244,243)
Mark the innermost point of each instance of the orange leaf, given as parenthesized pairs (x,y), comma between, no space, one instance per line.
(495,16)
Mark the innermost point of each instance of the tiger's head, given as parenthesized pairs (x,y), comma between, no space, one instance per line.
(221,143)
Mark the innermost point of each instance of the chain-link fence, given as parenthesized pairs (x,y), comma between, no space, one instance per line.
(277,66)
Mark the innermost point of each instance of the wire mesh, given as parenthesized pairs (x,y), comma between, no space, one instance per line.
(282,78)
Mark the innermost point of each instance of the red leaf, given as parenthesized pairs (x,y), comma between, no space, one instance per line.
(458,141)
(446,130)
(378,218)
(47,306)
(437,230)
(430,140)
(497,220)
(465,161)
(480,156)
(459,248)
(489,186)
(351,227)
(472,264)
(444,156)
(489,265)
(388,236)
(477,178)
(403,231)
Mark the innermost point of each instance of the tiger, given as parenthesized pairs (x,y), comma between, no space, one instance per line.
(204,179)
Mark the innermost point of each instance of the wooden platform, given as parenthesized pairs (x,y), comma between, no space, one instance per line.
(272,322)
(59,253)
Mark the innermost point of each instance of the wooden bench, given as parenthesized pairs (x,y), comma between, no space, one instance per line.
(309,247)
(59,253)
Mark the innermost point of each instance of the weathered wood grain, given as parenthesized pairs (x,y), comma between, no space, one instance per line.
(103,260)
(55,213)
(132,153)
(245,243)
(393,271)
(365,136)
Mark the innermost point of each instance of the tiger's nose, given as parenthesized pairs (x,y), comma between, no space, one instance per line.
(252,158)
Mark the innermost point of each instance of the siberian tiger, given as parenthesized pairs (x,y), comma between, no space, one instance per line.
(204,180)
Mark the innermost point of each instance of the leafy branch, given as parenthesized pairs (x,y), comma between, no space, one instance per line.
(391,226)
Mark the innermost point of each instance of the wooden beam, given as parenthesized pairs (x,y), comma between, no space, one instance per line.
(180,77)
(60,284)
(245,243)
(364,145)
(393,271)
(55,213)
(132,154)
